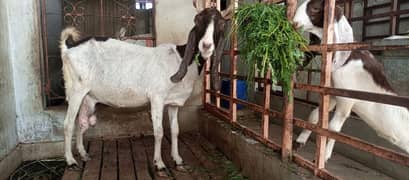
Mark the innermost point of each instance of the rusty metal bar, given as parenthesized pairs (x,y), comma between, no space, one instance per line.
(206,82)
(355,46)
(347,9)
(309,79)
(218,7)
(267,92)
(287,134)
(254,107)
(288,109)
(322,173)
(369,96)
(328,37)
(356,143)
(246,131)
(233,72)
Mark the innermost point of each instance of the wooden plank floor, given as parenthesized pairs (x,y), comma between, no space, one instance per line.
(131,158)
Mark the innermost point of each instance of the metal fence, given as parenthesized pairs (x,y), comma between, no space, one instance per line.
(324,89)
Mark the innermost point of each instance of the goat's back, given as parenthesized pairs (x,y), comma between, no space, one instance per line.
(122,74)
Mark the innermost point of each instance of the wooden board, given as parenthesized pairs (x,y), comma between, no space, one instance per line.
(192,142)
(168,160)
(93,166)
(148,142)
(140,160)
(109,165)
(125,161)
(74,175)
(197,171)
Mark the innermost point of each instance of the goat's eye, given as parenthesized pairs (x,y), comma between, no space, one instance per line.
(315,10)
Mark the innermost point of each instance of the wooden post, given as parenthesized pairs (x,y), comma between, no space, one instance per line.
(328,35)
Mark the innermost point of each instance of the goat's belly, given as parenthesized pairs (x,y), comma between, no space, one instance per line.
(127,98)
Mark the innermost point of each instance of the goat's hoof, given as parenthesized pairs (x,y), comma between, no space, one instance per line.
(86,158)
(74,167)
(183,168)
(163,173)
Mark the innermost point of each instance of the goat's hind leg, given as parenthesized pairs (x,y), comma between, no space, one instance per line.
(86,117)
(313,118)
(74,104)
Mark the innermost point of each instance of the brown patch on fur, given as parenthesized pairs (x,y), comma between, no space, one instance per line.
(373,66)
(315,11)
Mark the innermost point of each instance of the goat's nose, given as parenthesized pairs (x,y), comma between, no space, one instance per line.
(207,45)
(296,25)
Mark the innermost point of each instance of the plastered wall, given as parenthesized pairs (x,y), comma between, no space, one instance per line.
(8,126)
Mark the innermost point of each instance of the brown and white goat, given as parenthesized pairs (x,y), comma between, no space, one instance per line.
(121,74)
(355,70)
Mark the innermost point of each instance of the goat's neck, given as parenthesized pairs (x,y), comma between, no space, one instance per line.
(199,62)
(343,33)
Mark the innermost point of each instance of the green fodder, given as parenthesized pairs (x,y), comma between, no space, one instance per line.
(267,40)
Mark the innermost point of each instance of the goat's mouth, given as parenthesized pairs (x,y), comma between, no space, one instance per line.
(206,54)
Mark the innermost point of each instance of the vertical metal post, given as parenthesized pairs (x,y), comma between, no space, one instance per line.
(101,17)
(287,136)
(267,92)
(233,72)
(308,94)
(394,8)
(218,5)
(328,35)
(206,82)
(364,21)
(347,9)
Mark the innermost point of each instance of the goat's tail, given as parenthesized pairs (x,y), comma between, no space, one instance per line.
(69,32)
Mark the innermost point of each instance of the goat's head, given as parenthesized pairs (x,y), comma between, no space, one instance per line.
(207,38)
(310,16)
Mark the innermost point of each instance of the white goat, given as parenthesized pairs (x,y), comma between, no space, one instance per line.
(121,74)
(355,70)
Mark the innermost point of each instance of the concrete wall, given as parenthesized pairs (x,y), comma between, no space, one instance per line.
(8,126)
(33,122)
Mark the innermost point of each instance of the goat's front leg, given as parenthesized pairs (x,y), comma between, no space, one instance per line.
(157,114)
(69,123)
(313,118)
(342,112)
(174,128)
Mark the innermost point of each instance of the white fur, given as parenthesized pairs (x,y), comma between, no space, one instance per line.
(121,74)
(389,121)
(207,39)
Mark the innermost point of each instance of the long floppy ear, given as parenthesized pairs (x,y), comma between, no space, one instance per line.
(187,57)
(216,61)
